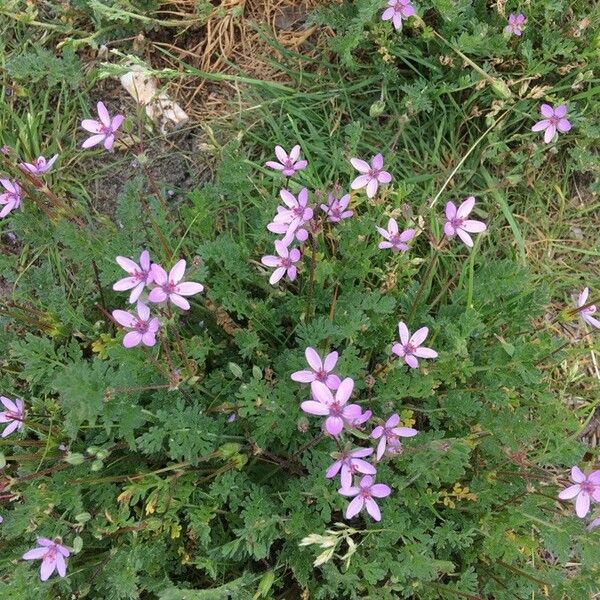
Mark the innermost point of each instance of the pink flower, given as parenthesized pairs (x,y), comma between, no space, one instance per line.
(336,209)
(103,130)
(364,494)
(554,120)
(398,10)
(143,327)
(11,198)
(320,370)
(288,163)
(171,288)
(515,24)
(289,220)
(372,175)
(393,239)
(359,418)
(14,414)
(39,166)
(585,488)
(53,557)
(349,463)
(336,410)
(284,263)
(410,349)
(139,275)
(586,313)
(458,224)
(390,434)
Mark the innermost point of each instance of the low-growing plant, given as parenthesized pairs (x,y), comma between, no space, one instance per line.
(275,388)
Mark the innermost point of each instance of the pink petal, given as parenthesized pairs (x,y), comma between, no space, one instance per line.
(334,469)
(449,229)
(303,376)
(322,393)
(333,382)
(465,237)
(189,288)
(425,353)
(149,339)
(143,311)
(334,425)
(387,14)
(179,301)
(564,125)
(377,161)
(398,350)
(540,126)
(277,275)
(35,554)
(9,404)
(281,154)
(145,260)
(295,153)
(407,235)
(124,318)
(583,296)
(177,272)
(380,490)
(91,125)
(381,447)
(159,275)
(577,475)
(393,420)
(313,359)
(330,361)
(549,133)
(270,261)
(404,333)
(117,122)
(344,391)
(313,407)
(10,428)
(295,255)
(355,507)
(419,336)
(546,110)
(373,509)
(136,292)
(93,141)
(132,339)
(288,198)
(47,568)
(61,565)
(362,466)
(349,491)
(372,187)
(109,140)
(384,177)
(274,165)
(560,111)
(125,284)
(582,504)
(411,361)
(360,182)
(157,295)
(473,226)
(103,114)
(466,207)
(360,165)
(405,431)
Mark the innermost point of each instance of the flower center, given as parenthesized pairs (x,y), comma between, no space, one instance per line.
(554,120)
(373,173)
(456,222)
(335,410)
(365,493)
(285,262)
(141,326)
(409,348)
(587,487)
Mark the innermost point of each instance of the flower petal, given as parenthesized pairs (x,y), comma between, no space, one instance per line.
(312,407)
(373,509)
(355,507)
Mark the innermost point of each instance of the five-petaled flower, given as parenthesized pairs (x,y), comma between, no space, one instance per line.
(393,238)
(409,347)
(587,312)
(515,24)
(39,166)
(104,130)
(53,557)
(371,174)
(364,494)
(289,220)
(585,488)
(458,224)
(350,462)
(336,410)
(335,209)
(398,10)
(389,434)
(171,288)
(143,328)
(288,163)
(14,415)
(284,263)
(139,275)
(11,198)
(554,120)
(321,370)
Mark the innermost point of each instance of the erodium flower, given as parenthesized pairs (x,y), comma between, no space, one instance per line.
(409,347)
(554,120)
(515,24)
(39,166)
(320,370)
(364,494)
(393,238)
(350,462)
(288,163)
(398,10)
(390,434)
(53,557)
(11,198)
(585,488)
(587,312)
(289,220)
(143,328)
(335,209)
(325,404)
(371,175)
(284,263)
(14,415)
(139,275)
(171,288)
(104,130)
(458,224)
